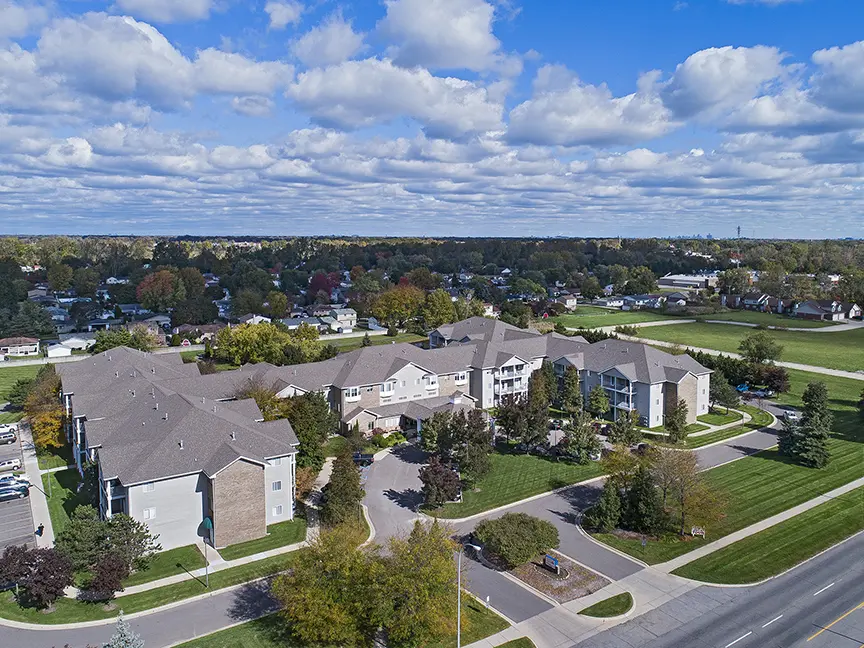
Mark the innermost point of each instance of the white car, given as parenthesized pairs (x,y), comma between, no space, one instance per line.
(792,417)
(10,464)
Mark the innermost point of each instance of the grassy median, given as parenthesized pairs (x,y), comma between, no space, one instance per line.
(610,607)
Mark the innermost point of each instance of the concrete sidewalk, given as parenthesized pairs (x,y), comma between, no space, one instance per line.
(711,547)
(38,501)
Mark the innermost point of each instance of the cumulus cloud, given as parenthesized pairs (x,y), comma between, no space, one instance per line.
(443,34)
(362,93)
(20,19)
(167,11)
(564,111)
(839,82)
(252,106)
(720,78)
(283,14)
(329,43)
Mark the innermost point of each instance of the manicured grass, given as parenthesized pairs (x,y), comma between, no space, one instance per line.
(10,375)
(760,419)
(56,457)
(693,427)
(768,483)
(270,632)
(782,546)
(334,446)
(351,344)
(841,350)
(10,417)
(514,477)
(605,317)
(278,535)
(72,611)
(62,498)
(768,319)
(610,607)
(168,563)
(719,418)
(521,642)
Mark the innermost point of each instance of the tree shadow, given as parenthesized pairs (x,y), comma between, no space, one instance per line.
(581,497)
(410,453)
(252,601)
(568,517)
(410,498)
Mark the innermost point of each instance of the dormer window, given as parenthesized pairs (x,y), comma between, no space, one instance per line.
(352,394)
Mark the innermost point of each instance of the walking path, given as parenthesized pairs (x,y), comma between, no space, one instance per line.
(789,365)
(38,501)
(746,418)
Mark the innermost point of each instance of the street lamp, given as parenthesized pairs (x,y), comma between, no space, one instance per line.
(459,591)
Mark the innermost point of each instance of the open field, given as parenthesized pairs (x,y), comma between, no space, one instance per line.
(768,483)
(768,319)
(596,317)
(270,632)
(776,549)
(516,476)
(842,350)
(10,375)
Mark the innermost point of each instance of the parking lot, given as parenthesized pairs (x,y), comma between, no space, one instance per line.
(16,520)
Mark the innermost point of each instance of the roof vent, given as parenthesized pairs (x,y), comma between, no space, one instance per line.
(156,407)
(116,373)
(203,400)
(132,391)
(180,443)
(233,435)
(165,417)
(143,422)
(153,370)
(214,409)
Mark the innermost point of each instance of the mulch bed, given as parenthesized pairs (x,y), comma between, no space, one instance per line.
(574,582)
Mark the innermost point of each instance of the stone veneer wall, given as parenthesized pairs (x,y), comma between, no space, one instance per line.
(239,512)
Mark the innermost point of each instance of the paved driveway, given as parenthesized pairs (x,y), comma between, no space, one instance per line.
(16,521)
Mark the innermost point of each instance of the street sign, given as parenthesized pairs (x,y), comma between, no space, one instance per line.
(551,563)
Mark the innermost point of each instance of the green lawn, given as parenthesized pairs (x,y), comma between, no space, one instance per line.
(759,419)
(270,632)
(514,477)
(521,642)
(605,317)
(60,487)
(168,563)
(351,344)
(610,607)
(767,483)
(335,445)
(10,375)
(72,611)
(719,418)
(10,417)
(841,350)
(56,457)
(768,319)
(782,546)
(659,429)
(279,535)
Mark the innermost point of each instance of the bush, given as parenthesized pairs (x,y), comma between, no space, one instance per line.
(516,538)
(626,329)
(382,441)
(392,331)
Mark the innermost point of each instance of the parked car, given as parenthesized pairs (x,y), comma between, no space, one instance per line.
(743,388)
(642,448)
(8,480)
(7,437)
(792,417)
(9,494)
(363,459)
(10,464)
(764,393)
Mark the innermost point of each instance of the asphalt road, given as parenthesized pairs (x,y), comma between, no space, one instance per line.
(805,607)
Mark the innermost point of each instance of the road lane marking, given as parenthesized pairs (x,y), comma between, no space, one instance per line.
(772,621)
(739,639)
(823,589)
(857,607)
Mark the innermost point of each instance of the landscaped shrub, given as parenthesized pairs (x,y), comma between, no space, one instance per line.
(516,538)
(627,329)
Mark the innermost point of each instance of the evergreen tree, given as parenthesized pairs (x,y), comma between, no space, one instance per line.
(625,430)
(811,446)
(343,494)
(644,512)
(721,392)
(123,636)
(570,394)
(605,515)
(598,401)
(432,430)
(366,341)
(547,373)
(676,422)
(580,441)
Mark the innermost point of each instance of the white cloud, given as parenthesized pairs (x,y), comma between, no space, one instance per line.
(253,106)
(167,11)
(20,19)
(566,112)
(223,72)
(283,14)
(329,43)
(362,93)
(839,82)
(720,78)
(442,34)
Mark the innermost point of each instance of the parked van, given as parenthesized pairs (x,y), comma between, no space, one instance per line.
(10,464)
(7,437)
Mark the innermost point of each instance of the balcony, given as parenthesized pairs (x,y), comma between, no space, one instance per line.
(617,385)
(510,373)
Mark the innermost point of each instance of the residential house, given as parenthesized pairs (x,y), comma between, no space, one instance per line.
(78,341)
(346,319)
(58,350)
(113,281)
(130,310)
(160,320)
(730,301)
(609,302)
(250,318)
(490,310)
(755,301)
(200,331)
(568,301)
(638,302)
(19,346)
(827,310)
(103,323)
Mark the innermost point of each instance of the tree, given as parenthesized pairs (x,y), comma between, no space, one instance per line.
(644,510)
(625,429)
(473,452)
(438,309)
(253,343)
(18,392)
(570,394)
(60,276)
(44,411)
(536,428)
(343,493)
(512,416)
(516,538)
(580,441)
(366,340)
(760,347)
(440,483)
(399,304)
(814,429)
(419,586)
(193,282)
(108,575)
(47,573)
(666,465)
(591,288)
(621,465)
(694,500)
(85,281)
(140,337)
(247,300)
(13,564)
(775,378)
(733,281)
(598,401)
(676,422)
(123,636)
(277,304)
(721,392)
(313,422)
(434,428)
(160,291)
(83,538)
(605,514)
(131,540)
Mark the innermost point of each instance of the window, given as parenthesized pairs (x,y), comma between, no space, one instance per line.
(431,381)
(403,383)
(277,461)
(149,487)
(276,485)
(352,394)
(388,387)
(149,513)
(277,510)
(461,377)
(370,425)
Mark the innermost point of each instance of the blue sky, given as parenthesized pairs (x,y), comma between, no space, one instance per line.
(432,117)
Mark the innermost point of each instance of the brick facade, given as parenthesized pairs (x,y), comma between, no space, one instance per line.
(239,512)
